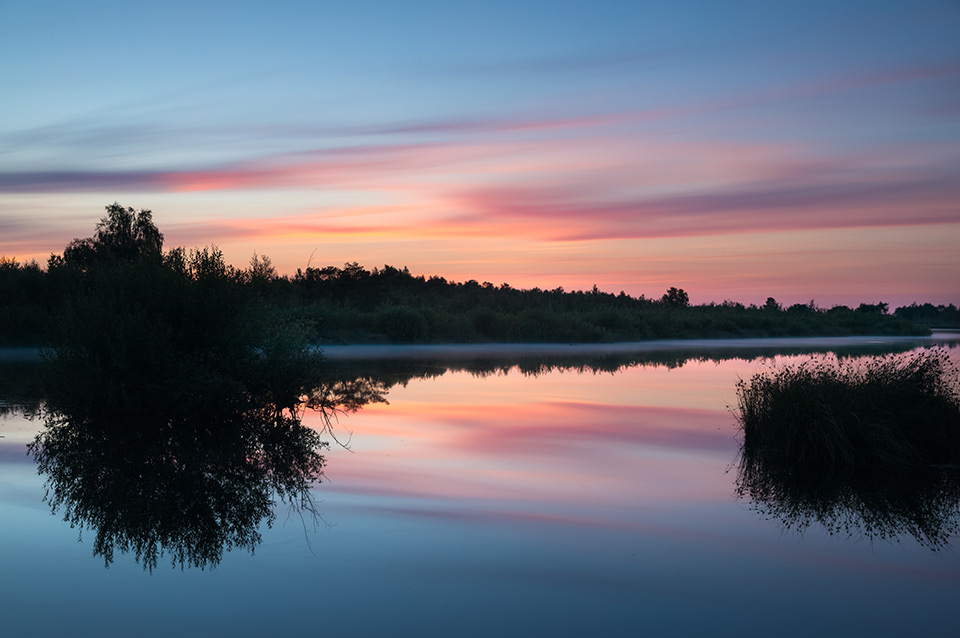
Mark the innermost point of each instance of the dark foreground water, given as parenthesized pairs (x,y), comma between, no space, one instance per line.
(553,498)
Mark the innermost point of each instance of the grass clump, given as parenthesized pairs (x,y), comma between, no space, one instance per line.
(833,415)
(865,447)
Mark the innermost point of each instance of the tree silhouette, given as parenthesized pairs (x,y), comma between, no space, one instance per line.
(676,297)
(123,234)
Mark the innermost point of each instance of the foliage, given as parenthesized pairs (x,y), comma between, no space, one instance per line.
(402,323)
(348,305)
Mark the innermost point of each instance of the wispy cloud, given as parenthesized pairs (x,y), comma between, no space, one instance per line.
(79,181)
(317,225)
(552,191)
(303,168)
(750,207)
(570,424)
(583,179)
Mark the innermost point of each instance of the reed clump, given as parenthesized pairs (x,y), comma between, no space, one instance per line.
(847,415)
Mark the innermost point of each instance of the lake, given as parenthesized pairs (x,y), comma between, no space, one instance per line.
(521,494)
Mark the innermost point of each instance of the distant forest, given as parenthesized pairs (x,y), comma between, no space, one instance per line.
(125,259)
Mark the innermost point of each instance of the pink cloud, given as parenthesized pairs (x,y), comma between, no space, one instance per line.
(564,187)
(563,213)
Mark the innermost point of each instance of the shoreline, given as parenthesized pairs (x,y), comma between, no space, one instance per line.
(501,350)
(505,349)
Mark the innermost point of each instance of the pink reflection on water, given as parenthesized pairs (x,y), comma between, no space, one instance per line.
(558,440)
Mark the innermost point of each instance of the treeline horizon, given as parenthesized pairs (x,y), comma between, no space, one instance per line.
(351,304)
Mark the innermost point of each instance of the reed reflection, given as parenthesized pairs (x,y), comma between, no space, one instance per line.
(921,503)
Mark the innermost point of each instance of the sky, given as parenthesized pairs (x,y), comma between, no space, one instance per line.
(735,149)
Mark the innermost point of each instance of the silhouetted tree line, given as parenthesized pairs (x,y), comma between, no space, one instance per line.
(941,316)
(351,304)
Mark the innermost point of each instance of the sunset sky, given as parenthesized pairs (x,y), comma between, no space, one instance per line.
(738,150)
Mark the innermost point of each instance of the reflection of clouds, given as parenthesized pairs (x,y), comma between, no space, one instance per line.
(483,514)
(12,453)
(555,428)
(560,452)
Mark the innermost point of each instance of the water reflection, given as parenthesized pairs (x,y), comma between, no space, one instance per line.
(192,475)
(397,367)
(188,491)
(878,505)
(20,388)
(340,380)
(562,502)
(190,469)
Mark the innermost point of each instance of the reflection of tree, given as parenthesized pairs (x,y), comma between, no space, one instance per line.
(885,504)
(163,493)
(186,485)
(334,395)
(397,370)
(19,388)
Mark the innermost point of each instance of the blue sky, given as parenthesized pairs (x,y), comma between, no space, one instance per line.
(735,149)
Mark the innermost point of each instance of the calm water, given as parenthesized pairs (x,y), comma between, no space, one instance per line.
(567,502)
